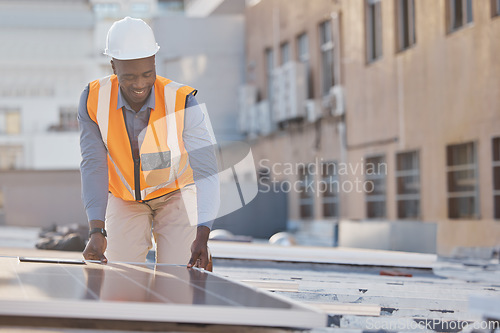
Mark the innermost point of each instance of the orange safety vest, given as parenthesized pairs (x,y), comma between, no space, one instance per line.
(163,166)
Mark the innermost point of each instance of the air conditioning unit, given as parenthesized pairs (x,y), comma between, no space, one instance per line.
(247,98)
(295,88)
(336,101)
(253,120)
(314,110)
(278,96)
(289,92)
(242,121)
(264,117)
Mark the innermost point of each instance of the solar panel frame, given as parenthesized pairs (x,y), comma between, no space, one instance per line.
(25,292)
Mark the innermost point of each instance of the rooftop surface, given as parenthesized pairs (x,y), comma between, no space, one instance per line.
(362,290)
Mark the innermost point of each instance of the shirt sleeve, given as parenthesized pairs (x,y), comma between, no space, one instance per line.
(94,165)
(202,159)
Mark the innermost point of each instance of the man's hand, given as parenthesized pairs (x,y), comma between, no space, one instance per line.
(95,248)
(199,249)
(97,244)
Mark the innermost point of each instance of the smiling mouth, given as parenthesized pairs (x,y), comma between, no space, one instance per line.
(141,92)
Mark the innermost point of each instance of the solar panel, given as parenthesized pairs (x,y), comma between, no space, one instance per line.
(142,292)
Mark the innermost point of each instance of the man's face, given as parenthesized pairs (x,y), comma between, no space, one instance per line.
(136,78)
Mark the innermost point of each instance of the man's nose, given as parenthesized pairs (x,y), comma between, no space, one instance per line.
(139,83)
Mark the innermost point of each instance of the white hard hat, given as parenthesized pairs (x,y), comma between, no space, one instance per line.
(130,38)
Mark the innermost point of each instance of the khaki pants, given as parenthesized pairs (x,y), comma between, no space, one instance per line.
(172,220)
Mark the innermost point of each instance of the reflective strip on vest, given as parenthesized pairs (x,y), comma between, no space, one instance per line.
(172,141)
(170,92)
(131,191)
(102,116)
(103,108)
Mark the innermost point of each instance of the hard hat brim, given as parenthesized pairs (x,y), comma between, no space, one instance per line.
(130,56)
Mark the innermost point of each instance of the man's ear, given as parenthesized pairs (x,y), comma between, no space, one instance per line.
(113,66)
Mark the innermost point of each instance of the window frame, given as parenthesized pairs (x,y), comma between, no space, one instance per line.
(68,118)
(6,122)
(304,177)
(405,28)
(495,8)
(406,173)
(495,161)
(373,31)
(334,198)
(327,56)
(456,168)
(305,58)
(11,156)
(370,198)
(467,17)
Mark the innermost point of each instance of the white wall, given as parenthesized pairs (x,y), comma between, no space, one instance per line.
(208,54)
(55,151)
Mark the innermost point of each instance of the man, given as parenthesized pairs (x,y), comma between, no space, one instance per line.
(148,163)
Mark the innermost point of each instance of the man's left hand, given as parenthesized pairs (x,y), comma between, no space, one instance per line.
(199,249)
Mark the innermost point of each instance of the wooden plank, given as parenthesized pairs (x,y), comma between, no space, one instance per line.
(324,255)
(274,285)
(348,308)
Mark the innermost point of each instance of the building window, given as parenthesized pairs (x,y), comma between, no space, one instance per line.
(405,17)
(68,118)
(329,189)
(327,61)
(495,8)
(285,53)
(306,200)
(171,6)
(408,185)
(11,157)
(139,7)
(462,181)
(304,57)
(496,177)
(459,13)
(373,29)
(375,176)
(10,121)
(109,9)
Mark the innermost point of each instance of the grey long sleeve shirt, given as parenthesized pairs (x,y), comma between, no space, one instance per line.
(197,141)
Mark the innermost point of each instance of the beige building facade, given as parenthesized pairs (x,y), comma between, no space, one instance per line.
(393,115)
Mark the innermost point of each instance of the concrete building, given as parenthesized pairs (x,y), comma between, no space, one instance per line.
(383,117)
(45,62)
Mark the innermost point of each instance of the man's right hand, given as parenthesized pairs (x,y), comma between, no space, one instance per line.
(97,244)
(95,248)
